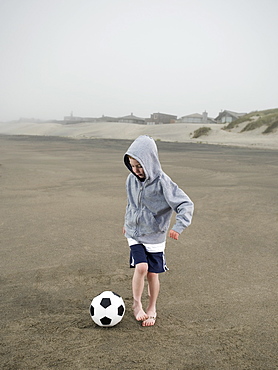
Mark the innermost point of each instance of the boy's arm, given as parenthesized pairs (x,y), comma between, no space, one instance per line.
(181,204)
(184,213)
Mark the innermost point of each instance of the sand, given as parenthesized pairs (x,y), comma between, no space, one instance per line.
(62,206)
(178,132)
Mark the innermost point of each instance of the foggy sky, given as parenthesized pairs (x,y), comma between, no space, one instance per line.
(114,57)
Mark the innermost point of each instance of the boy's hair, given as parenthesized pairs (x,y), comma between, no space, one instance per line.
(130,157)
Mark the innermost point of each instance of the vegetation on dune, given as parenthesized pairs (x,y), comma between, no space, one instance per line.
(257,119)
(265,119)
(271,128)
(253,125)
(245,118)
(201,131)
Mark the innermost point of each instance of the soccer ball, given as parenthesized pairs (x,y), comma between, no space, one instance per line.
(107,309)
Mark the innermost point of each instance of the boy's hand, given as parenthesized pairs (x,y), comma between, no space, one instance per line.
(173,234)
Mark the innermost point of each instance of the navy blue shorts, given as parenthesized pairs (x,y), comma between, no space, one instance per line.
(156,261)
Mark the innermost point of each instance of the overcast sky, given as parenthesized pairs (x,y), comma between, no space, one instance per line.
(114,57)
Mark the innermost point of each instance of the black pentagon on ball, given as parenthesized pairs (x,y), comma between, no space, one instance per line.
(105,320)
(92,310)
(121,310)
(105,302)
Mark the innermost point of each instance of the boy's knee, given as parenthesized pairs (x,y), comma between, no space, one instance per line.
(152,276)
(142,268)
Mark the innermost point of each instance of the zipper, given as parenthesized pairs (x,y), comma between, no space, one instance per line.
(140,195)
(139,208)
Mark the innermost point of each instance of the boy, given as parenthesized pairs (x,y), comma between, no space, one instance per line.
(152,197)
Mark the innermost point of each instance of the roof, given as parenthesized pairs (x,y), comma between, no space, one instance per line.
(165,114)
(233,114)
(194,115)
(131,116)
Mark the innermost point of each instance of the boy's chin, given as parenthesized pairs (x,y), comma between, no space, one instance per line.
(141,177)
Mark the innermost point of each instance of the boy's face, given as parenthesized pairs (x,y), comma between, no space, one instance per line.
(137,168)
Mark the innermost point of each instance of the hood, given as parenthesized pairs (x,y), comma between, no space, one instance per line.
(144,150)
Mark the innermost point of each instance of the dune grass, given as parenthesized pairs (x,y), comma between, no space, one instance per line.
(257,119)
(233,124)
(264,120)
(201,132)
(271,128)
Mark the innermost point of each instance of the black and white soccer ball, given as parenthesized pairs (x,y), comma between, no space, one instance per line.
(107,309)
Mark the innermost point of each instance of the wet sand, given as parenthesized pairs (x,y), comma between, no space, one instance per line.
(62,207)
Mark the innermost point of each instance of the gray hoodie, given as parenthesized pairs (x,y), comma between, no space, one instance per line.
(151,202)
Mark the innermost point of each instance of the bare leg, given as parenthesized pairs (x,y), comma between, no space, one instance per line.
(140,272)
(153,289)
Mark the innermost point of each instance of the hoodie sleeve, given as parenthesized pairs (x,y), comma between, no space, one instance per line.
(180,203)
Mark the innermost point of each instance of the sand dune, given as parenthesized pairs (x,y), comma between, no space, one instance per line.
(171,132)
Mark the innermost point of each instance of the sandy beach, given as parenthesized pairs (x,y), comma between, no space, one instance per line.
(178,132)
(62,207)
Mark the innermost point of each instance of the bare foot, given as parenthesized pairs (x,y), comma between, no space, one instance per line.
(139,313)
(150,321)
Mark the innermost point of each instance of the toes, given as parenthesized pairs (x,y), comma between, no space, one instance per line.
(150,321)
(140,316)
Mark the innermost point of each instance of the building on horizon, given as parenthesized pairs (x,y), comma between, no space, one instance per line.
(161,118)
(104,118)
(197,118)
(132,119)
(75,119)
(227,116)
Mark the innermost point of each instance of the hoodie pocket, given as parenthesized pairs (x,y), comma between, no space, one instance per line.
(148,223)
(131,218)
(144,222)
